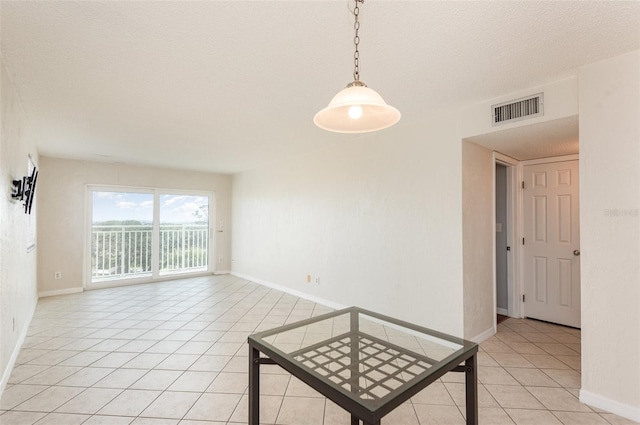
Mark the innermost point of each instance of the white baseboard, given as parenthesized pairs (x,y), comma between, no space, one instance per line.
(290,291)
(59,292)
(16,351)
(484,335)
(604,403)
(219,272)
(502,311)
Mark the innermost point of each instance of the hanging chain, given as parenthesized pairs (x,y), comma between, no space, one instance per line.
(356,42)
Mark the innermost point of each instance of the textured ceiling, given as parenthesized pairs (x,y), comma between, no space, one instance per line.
(227,86)
(541,140)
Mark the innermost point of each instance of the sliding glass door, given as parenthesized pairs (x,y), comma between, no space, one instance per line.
(121,235)
(184,233)
(145,234)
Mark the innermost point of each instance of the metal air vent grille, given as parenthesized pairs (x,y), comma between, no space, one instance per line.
(516,110)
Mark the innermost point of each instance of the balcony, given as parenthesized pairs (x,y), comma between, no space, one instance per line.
(125,251)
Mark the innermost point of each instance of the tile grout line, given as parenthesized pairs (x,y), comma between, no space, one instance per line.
(183,307)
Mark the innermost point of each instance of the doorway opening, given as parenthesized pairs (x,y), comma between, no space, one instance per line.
(502,245)
(515,147)
(506,177)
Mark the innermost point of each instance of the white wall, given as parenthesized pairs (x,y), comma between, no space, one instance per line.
(18,294)
(478,240)
(377,218)
(61,224)
(610,233)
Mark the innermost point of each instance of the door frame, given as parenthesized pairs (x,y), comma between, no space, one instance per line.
(513,229)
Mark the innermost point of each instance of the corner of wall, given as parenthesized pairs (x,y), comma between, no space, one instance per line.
(477,239)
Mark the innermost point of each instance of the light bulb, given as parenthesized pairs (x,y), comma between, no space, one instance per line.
(355,112)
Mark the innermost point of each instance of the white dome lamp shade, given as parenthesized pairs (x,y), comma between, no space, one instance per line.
(357,108)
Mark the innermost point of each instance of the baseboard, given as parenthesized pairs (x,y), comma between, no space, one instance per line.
(290,291)
(604,403)
(59,292)
(16,351)
(219,272)
(502,311)
(484,335)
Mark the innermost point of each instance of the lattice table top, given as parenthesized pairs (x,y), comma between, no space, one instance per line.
(369,358)
(362,364)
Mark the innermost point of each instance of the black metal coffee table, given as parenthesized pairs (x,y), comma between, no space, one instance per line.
(365,362)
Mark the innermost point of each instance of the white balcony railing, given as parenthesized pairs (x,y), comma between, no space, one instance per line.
(121,251)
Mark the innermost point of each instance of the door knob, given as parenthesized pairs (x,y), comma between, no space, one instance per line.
(576,252)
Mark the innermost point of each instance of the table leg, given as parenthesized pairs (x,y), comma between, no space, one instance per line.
(471,384)
(354,352)
(254,386)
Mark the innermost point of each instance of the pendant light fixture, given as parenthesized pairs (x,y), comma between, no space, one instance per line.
(357,108)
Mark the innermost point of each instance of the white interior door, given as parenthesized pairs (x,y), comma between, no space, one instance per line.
(552,242)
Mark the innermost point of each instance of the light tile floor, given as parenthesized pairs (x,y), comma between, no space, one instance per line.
(175,353)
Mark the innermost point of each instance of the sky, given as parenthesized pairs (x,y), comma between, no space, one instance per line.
(139,206)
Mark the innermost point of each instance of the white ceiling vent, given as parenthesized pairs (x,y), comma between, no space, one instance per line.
(519,109)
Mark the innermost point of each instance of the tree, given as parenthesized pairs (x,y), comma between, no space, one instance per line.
(202,214)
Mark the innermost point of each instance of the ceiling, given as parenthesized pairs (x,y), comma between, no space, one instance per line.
(545,139)
(225,86)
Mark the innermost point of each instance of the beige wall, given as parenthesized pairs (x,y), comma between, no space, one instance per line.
(376,217)
(61,224)
(478,240)
(610,233)
(18,295)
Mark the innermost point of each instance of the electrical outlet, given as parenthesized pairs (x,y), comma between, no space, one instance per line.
(220,259)
(317,281)
(57,275)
